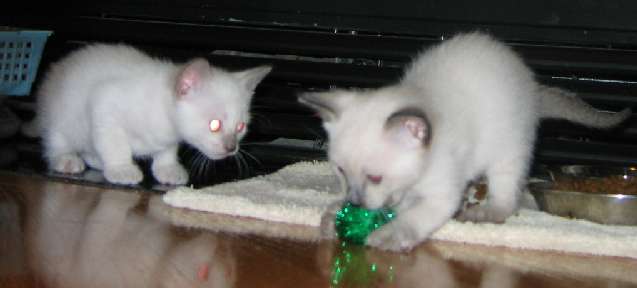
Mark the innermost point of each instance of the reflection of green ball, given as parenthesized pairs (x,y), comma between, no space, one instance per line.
(352,268)
(354,223)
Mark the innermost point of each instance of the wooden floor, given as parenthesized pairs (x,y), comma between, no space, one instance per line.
(57,234)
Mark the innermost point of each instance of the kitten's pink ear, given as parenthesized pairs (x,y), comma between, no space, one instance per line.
(410,126)
(191,76)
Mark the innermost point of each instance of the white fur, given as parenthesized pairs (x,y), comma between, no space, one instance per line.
(483,106)
(105,104)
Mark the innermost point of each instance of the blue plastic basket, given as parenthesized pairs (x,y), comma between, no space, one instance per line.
(20,53)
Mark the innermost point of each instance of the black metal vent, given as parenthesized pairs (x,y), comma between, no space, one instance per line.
(586,46)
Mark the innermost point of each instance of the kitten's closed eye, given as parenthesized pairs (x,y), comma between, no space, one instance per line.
(375,179)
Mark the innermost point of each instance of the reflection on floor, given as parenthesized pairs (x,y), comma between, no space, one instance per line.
(58,234)
(78,231)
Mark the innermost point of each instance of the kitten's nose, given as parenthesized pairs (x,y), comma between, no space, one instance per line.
(230,143)
(355,196)
(230,147)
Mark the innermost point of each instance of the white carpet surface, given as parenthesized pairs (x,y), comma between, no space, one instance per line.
(302,192)
(297,194)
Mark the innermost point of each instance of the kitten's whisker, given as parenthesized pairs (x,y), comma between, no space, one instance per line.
(262,118)
(254,142)
(197,166)
(245,164)
(238,165)
(206,164)
(207,167)
(240,159)
(251,156)
(192,161)
(246,168)
(319,138)
(202,166)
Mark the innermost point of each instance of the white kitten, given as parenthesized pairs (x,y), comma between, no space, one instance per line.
(465,108)
(105,104)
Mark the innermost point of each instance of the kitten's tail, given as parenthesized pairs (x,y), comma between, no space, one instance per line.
(561,104)
(31,129)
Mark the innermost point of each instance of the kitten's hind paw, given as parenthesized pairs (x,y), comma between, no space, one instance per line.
(171,175)
(123,174)
(68,164)
(483,213)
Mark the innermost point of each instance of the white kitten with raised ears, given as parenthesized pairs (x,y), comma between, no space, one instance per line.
(103,105)
(464,109)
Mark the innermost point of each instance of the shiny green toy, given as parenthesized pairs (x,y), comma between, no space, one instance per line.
(354,223)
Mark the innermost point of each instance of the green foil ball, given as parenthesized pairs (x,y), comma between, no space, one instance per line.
(354,223)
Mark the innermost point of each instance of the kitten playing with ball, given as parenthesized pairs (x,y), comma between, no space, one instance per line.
(464,109)
(104,105)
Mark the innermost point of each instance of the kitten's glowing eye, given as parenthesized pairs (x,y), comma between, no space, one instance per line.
(215,125)
(375,179)
(241,126)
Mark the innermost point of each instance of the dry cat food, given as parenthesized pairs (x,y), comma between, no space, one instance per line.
(616,184)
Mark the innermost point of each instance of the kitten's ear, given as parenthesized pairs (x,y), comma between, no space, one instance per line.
(191,75)
(325,103)
(410,126)
(253,76)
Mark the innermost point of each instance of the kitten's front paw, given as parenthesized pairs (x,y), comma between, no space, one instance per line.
(327,226)
(171,175)
(124,174)
(69,164)
(394,237)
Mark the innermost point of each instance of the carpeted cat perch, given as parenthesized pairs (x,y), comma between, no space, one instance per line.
(294,199)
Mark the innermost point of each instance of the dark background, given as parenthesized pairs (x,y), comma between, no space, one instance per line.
(583,45)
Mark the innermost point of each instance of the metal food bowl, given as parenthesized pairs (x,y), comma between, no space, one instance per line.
(606,207)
